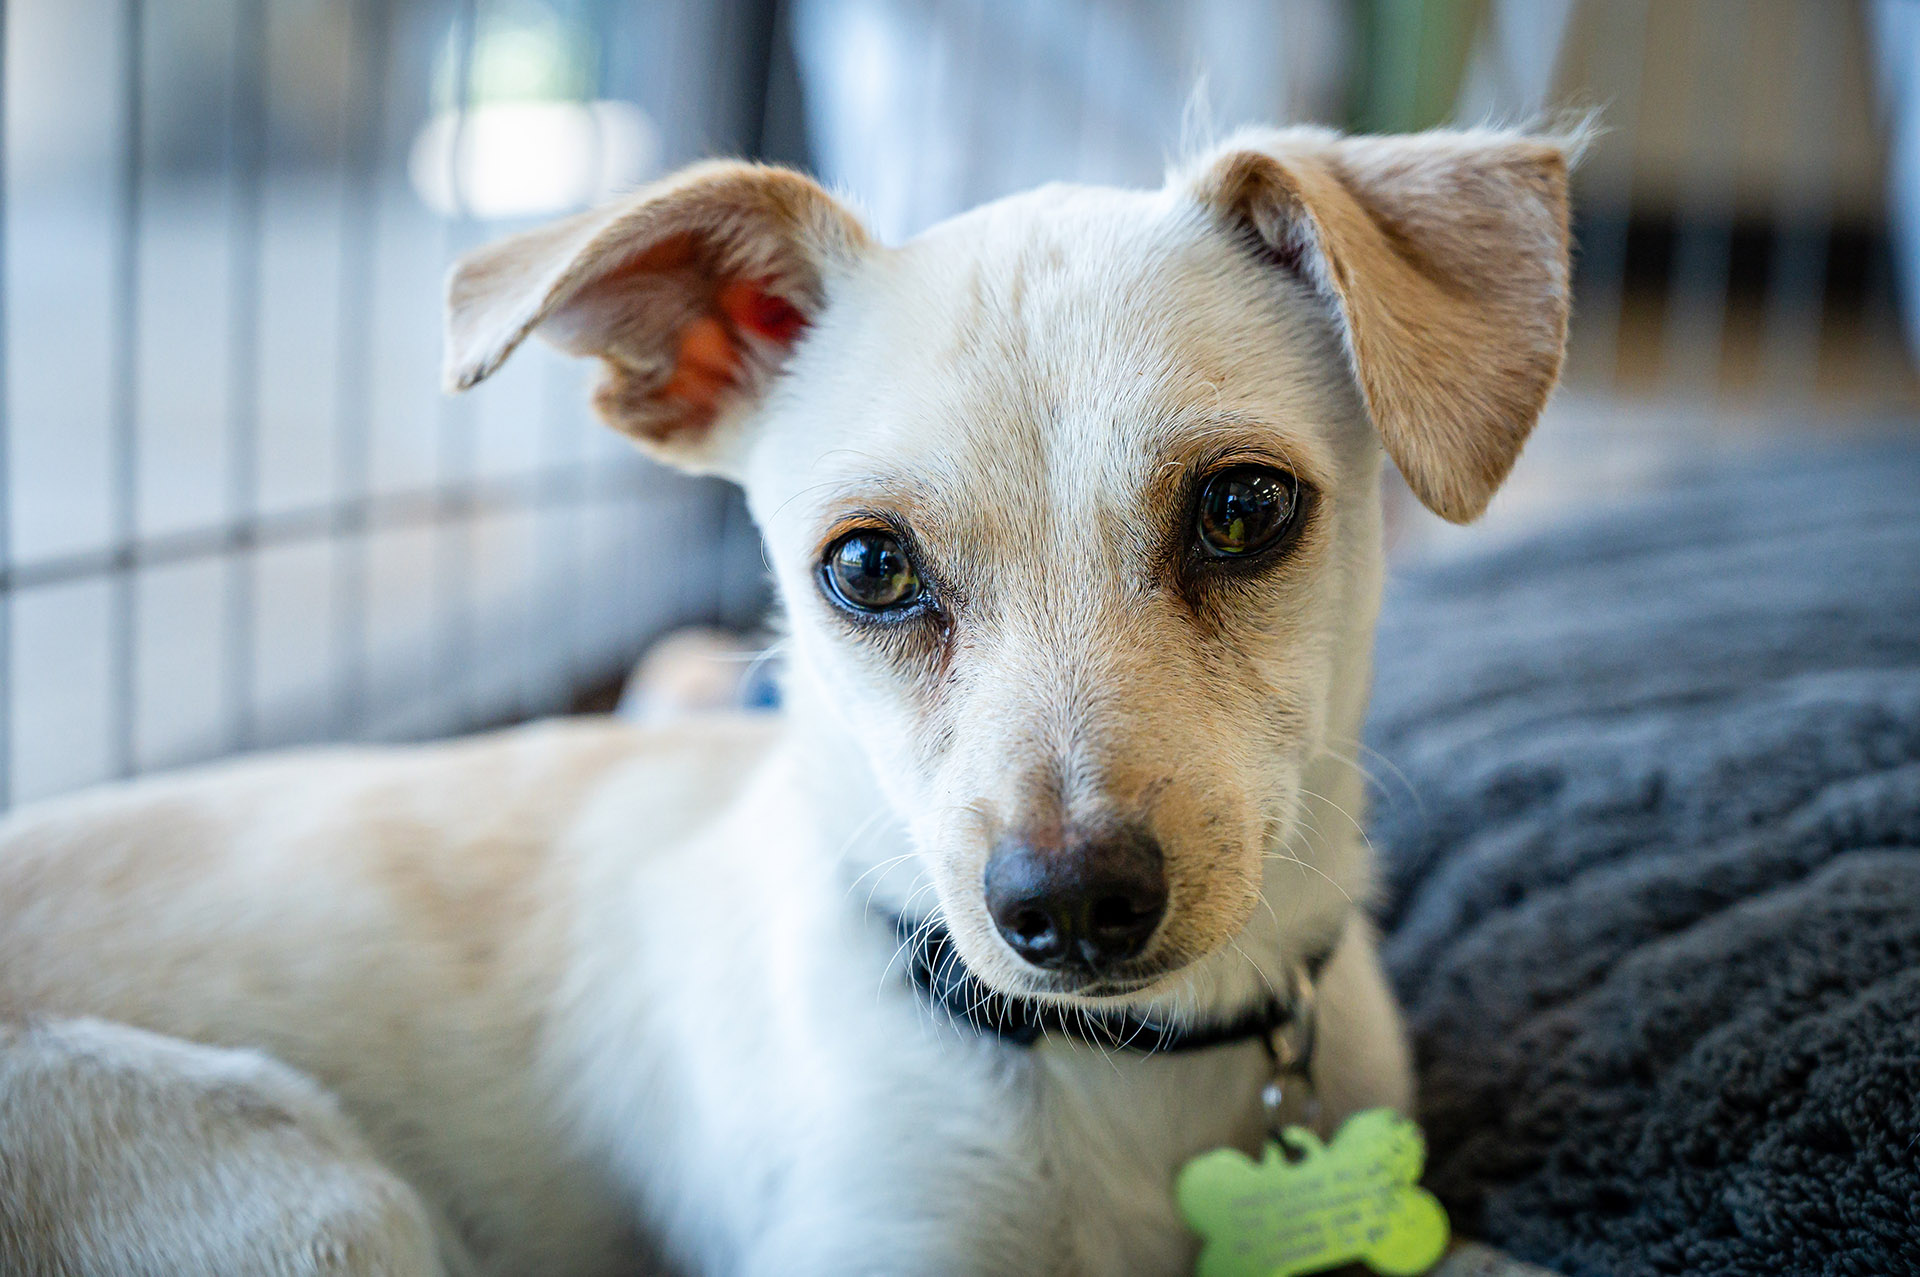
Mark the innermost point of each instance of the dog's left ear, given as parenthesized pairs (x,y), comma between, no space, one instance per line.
(692,292)
(1446,257)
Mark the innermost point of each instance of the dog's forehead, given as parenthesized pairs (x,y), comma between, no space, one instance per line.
(1057,352)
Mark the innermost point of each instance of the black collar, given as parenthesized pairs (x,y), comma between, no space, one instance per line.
(944,980)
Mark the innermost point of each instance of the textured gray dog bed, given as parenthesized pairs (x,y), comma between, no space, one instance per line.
(1653,875)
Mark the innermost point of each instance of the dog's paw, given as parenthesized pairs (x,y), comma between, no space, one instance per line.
(126,1151)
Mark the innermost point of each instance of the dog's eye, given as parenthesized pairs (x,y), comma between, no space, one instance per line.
(1245,509)
(869,571)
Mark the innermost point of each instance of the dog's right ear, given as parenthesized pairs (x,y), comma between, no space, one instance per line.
(692,292)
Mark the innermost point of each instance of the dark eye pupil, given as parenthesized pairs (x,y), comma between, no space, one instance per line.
(870,571)
(1245,509)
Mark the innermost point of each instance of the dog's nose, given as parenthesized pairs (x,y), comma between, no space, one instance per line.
(1085,902)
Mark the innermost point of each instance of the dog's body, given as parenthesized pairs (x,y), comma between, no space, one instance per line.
(593,999)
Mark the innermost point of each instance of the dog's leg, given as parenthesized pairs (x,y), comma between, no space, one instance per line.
(125,1152)
(1361,1056)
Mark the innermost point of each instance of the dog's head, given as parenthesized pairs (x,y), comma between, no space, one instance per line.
(1073,499)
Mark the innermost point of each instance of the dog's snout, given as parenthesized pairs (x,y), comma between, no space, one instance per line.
(1083,902)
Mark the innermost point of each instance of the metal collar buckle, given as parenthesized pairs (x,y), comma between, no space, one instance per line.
(1290,1051)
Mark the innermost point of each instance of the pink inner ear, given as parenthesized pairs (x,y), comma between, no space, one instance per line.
(710,352)
(752,307)
(704,366)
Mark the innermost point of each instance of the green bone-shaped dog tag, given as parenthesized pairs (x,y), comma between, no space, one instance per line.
(1357,1198)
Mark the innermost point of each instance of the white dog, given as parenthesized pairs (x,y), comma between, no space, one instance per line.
(1073,503)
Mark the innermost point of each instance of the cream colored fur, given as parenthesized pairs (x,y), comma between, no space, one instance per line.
(579,998)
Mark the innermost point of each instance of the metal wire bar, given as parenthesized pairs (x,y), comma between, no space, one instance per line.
(1703,249)
(353,424)
(367,514)
(760,29)
(247,124)
(1622,48)
(123,478)
(1797,275)
(725,78)
(671,66)
(452,563)
(562,557)
(6,454)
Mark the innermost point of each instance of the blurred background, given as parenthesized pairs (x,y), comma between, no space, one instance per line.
(235,510)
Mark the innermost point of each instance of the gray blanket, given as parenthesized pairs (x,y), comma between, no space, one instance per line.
(1649,803)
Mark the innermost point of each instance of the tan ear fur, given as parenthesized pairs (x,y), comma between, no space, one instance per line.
(1447,256)
(690,291)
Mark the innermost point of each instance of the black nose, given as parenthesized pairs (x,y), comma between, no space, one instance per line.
(1085,902)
